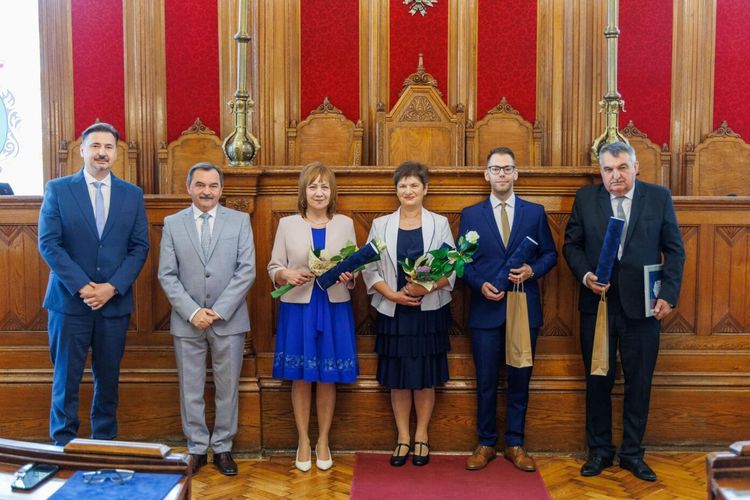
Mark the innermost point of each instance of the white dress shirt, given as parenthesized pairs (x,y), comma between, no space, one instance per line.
(510,209)
(106,191)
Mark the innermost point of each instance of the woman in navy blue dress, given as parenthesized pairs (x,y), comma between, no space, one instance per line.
(315,332)
(412,326)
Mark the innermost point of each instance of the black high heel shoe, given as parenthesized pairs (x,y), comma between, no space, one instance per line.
(398,460)
(417,458)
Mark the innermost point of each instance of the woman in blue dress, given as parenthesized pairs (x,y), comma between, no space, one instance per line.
(315,332)
(412,326)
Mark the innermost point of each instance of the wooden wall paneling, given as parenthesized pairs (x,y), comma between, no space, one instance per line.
(550,55)
(462,56)
(145,84)
(693,56)
(374,53)
(278,59)
(56,52)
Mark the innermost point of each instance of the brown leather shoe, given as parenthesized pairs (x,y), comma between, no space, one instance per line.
(520,459)
(197,461)
(225,463)
(481,457)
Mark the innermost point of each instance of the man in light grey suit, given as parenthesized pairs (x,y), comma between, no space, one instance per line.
(206,268)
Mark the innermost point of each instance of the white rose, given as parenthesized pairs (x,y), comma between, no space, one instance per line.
(472,237)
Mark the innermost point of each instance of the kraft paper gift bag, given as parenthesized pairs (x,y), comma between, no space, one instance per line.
(600,352)
(517,333)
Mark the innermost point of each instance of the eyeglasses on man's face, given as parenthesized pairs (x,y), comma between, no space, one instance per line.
(118,476)
(507,169)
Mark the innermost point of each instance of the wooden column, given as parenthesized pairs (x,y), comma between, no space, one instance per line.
(145,84)
(693,56)
(374,53)
(462,56)
(56,51)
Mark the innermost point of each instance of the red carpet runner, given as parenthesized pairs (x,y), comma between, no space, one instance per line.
(444,478)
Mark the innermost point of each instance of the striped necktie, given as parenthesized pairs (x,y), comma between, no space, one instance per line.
(205,234)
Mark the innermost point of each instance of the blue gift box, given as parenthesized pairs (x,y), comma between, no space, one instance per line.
(609,250)
(523,254)
(364,255)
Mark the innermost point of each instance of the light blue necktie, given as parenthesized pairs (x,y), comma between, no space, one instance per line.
(621,215)
(205,234)
(99,208)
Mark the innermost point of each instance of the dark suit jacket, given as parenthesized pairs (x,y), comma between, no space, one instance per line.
(652,233)
(529,220)
(70,244)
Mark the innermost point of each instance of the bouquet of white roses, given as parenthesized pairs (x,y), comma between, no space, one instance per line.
(436,264)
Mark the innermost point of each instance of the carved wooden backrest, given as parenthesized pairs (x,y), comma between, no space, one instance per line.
(719,165)
(326,136)
(196,144)
(69,160)
(420,126)
(504,126)
(653,161)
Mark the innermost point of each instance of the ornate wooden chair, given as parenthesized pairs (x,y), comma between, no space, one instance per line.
(69,160)
(504,126)
(196,144)
(420,126)
(653,162)
(326,136)
(718,165)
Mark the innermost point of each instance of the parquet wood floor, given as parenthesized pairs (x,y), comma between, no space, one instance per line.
(681,476)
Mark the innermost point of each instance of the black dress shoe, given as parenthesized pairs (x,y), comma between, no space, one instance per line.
(639,468)
(399,460)
(595,465)
(196,462)
(417,458)
(225,463)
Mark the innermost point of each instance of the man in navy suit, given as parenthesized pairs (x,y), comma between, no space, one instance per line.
(93,234)
(503,221)
(651,236)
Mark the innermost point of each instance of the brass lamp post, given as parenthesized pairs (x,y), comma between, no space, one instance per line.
(241,146)
(612,101)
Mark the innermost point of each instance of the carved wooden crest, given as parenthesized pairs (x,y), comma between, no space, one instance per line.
(198,128)
(420,110)
(723,131)
(631,130)
(504,107)
(421,77)
(326,107)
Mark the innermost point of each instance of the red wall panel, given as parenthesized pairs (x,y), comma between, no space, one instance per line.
(98,63)
(329,62)
(411,35)
(192,59)
(645,66)
(732,71)
(506,56)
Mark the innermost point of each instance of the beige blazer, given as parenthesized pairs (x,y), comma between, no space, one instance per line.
(435,232)
(291,250)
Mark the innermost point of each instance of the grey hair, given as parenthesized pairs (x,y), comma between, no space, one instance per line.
(616,148)
(204,165)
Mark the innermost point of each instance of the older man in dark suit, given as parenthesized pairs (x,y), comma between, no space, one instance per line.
(651,236)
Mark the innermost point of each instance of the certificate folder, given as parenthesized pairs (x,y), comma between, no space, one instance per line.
(651,286)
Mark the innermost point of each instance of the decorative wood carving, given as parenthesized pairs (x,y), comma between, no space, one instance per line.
(718,165)
(196,144)
(504,126)
(654,162)
(420,126)
(326,136)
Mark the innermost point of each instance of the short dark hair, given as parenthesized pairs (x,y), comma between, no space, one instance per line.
(616,148)
(204,165)
(411,169)
(501,150)
(100,127)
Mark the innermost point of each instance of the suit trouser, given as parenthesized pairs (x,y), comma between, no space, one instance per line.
(638,341)
(69,340)
(226,365)
(489,353)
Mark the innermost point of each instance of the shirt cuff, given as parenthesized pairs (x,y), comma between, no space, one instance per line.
(190,320)
(584,279)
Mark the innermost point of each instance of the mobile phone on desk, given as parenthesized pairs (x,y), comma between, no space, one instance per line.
(32,475)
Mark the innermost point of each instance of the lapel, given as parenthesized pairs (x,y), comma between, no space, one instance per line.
(192,232)
(636,208)
(81,194)
(605,208)
(391,236)
(489,215)
(517,219)
(116,199)
(428,230)
(219,223)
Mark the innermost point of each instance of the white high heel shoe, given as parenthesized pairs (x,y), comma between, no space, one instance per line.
(323,464)
(303,466)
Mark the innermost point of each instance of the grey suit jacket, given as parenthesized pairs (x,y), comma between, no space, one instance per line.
(220,283)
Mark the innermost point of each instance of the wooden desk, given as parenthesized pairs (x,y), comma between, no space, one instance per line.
(13,454)
(729,473)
